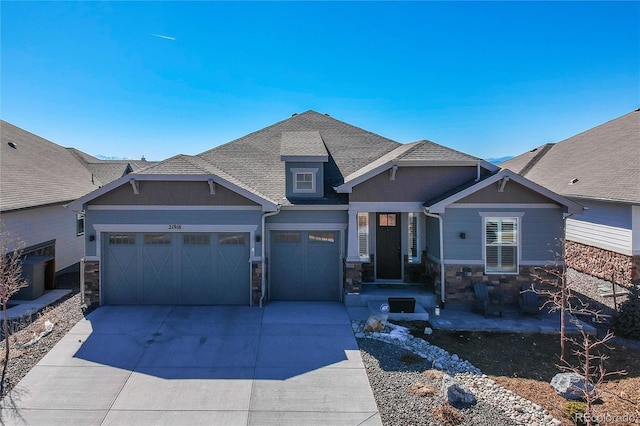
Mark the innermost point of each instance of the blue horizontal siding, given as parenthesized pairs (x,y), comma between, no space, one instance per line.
(541,232)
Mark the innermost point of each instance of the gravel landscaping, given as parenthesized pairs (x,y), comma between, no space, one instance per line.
(64,314)
(408,391)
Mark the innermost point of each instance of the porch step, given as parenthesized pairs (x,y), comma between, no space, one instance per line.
(426,300)
(419,313)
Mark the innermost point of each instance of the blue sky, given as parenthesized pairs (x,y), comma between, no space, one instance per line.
(489,79)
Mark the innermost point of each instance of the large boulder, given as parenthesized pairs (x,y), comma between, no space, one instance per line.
(454,393)
(570,386)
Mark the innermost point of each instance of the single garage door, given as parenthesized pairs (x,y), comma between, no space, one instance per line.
(305,265)
(176,268)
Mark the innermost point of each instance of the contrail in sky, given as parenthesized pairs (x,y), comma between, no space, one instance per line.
(163,36)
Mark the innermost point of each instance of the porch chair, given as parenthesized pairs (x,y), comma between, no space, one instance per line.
(486,303)
(529,300)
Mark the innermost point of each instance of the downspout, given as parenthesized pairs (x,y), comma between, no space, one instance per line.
(263,278)
(442,271)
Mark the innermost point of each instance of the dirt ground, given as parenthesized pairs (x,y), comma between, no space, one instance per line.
(526,363)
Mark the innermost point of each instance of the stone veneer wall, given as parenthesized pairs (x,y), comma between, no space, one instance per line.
(604,264)
(352,277)
(460,279)
(91,283)
(256,284)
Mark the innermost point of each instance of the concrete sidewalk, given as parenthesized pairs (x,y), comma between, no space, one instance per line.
(289,363)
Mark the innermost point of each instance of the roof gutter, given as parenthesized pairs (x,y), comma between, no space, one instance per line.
(263,278)
(442,271)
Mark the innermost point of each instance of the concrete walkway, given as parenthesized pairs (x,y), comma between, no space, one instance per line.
(460,318)
(286,364)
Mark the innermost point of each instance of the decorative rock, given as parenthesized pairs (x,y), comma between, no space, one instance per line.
(570,385)
(454,393)
(428,330)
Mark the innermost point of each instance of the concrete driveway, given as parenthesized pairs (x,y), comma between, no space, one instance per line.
(289,363)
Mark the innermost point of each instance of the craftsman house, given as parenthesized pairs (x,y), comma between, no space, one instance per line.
(599,169)
(312,208)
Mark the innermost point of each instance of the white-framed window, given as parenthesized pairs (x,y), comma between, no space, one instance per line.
(80,224)
(413,237)
(304,180)
(363,234)
(501,244)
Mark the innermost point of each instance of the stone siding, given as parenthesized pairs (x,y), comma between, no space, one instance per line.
(256,282)
(604,264)
(460,279)
(91,296)
(352,277)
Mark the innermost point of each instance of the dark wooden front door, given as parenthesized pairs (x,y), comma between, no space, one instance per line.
(388,253)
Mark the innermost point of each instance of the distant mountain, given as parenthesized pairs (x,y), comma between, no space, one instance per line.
(499,159)
(113,157)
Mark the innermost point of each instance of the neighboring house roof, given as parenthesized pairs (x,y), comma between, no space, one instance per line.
(438,205)
(109,170)
(36,172)
(600,163)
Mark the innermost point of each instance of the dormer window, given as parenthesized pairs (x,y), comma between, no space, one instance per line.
(304,180)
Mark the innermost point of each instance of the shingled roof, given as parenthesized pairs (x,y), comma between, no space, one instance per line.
(600,163)
(255,159)
(36,172)
(109,170)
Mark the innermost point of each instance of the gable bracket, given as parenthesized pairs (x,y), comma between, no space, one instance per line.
(503,183)
(212,187)
(394,170)
(135,186)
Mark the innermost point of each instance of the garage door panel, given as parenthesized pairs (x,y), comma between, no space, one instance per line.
(197,271)
(287,254)
(305,265)
(322,266)
(177,268)
(233,269)
(122,265)
(160,286)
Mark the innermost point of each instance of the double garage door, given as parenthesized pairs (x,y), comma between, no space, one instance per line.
(305,265)
(176,268)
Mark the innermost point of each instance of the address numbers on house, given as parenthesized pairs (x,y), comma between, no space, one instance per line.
(175,226)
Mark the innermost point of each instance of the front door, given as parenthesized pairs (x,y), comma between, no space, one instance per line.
(388,253)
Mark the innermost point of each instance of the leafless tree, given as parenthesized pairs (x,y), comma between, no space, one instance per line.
(556,293)
(11,281)
(590,365)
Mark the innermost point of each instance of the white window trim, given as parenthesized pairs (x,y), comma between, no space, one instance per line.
(502,215)
(80,217)
(298,171)
(363,256)
(414,259)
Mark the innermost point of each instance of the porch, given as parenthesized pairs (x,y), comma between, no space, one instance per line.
(453,317)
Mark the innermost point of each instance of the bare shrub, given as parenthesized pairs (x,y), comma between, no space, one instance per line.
(433,374)
(447,415)
(422,389)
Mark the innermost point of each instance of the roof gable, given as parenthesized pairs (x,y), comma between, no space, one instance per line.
(255,159)
(439,204)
